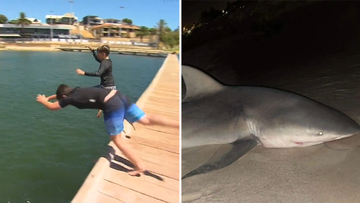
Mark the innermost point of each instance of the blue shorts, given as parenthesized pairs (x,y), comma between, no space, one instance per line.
(114,120)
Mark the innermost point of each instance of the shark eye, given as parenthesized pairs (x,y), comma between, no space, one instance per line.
(320,133)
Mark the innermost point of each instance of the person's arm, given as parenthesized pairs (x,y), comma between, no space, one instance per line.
(54,106)
(94,54)
(102,69)
(52,97)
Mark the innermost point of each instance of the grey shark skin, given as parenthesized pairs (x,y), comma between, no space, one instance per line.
(213,113)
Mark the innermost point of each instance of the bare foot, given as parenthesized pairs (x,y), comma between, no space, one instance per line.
(137,171)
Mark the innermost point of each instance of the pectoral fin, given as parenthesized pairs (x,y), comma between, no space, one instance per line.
(224,156)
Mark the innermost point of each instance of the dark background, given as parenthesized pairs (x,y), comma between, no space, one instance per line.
(258,37)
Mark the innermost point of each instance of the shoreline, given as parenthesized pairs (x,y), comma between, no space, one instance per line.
(138,51)
(32,48)
(57,48)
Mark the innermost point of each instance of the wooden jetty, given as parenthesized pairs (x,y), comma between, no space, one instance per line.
(138,52)
(158,147)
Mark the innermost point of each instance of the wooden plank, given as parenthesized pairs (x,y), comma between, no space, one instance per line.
(86,191)
(162,144)
(123,194)
(152,179)
(158,161)
(104,198)
(151,132)
(140,185)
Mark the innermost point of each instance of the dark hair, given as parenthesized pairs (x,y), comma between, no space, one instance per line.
(62,90)
(104,49)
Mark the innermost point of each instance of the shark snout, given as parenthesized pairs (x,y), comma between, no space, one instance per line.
(342,126)
(347,132)
(350,128)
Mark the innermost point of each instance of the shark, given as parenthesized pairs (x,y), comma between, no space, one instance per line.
(246,116)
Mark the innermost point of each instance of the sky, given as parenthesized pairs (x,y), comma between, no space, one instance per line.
(191,9)
(141,12)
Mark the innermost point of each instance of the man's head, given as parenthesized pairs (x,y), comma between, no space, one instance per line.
(103,52)
(62,90)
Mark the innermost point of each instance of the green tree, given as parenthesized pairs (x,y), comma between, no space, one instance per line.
(166,36)
(3,19)
(23,21)
(128,21)
(144,31)
(13,21)
(173,39)
(153,31)
(169,40)
(161,29)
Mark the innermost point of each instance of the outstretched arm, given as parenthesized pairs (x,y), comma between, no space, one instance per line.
(52,97)
(50,105)
(98,73)
(94,54)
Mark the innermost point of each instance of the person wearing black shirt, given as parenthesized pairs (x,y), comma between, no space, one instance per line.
(116,108)
(105,71)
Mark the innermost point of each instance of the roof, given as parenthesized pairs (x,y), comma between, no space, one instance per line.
(117,25)
(66,15)
(37,26)
(33,19)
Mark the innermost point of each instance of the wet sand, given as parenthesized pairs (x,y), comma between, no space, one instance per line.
(313,174)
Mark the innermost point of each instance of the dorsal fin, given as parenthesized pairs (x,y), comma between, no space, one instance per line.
(198,84)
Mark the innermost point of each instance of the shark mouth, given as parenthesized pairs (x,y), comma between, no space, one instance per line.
(307,143)
(319,142)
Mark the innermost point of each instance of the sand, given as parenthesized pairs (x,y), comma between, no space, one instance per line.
(312,175)
(32,48)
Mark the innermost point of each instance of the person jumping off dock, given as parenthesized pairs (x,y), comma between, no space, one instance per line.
(115,106)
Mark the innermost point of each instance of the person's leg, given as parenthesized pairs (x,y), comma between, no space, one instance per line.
(123,146)
(114,125)
(158,120)
(135,114)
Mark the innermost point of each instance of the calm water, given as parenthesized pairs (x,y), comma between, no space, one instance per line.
(45,156)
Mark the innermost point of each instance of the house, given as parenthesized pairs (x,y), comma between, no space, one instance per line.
(113,30)
(33,30)
(67,19)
